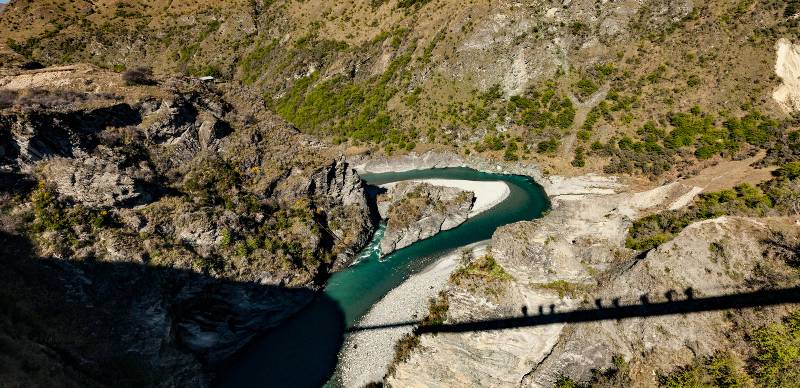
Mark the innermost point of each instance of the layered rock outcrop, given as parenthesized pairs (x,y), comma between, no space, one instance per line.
(416,211)
(575,258)
(176,230)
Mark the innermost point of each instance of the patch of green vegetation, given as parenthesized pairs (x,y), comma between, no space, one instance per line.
(402,351)
(428,52)
(24,48)
(186,53)
(563,288)
(481,272)
(656,149)
(792,8)
(618,375)
(542,109)
(780,195)
(206,70)
(789,171)
(511,152)
(693,81)
(548,146)
(51,214)
(776,361)
(341,107)
(437,310)
(721,370)
(254,63)
(411,3)
(586,87)
(437,315)
(212,182)
(580,157)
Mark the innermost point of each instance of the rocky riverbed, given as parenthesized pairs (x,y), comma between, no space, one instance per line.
(367,354)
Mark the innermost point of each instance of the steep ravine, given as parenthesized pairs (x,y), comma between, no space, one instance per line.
(303,352)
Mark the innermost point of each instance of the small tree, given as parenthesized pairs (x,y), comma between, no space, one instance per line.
(138,76)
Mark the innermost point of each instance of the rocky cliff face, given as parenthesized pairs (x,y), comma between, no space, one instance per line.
(176,229)
(574,256)
(416,211)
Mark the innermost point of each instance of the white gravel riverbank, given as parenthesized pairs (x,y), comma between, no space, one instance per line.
(366,355)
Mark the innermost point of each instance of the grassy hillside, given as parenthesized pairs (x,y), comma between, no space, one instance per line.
(647,88)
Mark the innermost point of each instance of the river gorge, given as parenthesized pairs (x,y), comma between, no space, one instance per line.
(304,350)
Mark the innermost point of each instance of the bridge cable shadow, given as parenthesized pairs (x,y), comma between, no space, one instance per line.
(689,305)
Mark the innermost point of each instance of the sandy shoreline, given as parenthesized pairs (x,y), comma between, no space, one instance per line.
(487,193)
(366,355)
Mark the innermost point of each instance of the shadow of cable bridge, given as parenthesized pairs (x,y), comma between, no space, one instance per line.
(614,311)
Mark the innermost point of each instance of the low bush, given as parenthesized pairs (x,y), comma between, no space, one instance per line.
(548,146)
(138,76)
(8,98)
(580,157)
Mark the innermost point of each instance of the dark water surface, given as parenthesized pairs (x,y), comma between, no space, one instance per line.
(302,352)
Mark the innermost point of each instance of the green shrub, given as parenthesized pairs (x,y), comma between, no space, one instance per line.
(616,376)
(721,370)
(227,238)
(511,152)
(410,3)
(437,310)
(485,267)
(693,81)
(776,350)
(792,7)
(211,181)
(586,87)
(402,351)
(49,213)
(494,143)
(789,170)
(548,146)
(580,157)
(778,353)
(563,288)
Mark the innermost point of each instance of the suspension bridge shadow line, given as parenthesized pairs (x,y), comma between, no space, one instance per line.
(688,305)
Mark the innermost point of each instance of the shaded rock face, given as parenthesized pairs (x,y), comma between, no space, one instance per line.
(416,211)
(214,234)
(35,136)
(340,189)
(184,126)
(142,326)
(339,193)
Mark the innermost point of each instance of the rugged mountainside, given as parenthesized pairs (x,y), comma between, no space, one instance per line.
(416,211)
(150,227)
(570,86)
(177,225)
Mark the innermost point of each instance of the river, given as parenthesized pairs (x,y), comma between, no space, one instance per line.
(302,352)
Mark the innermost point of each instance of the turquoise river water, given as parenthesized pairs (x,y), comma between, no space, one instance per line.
(302,352)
